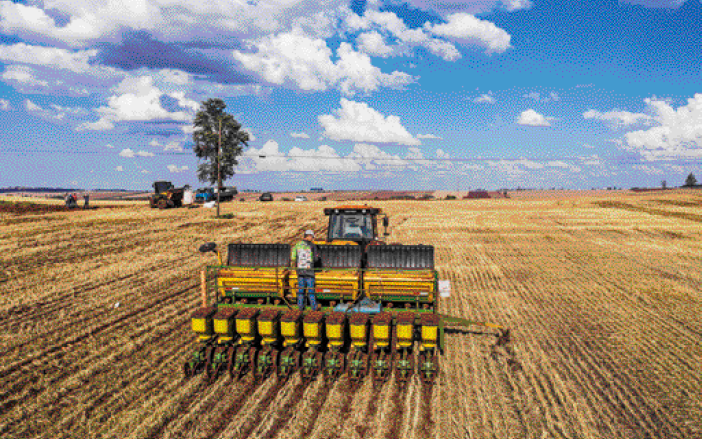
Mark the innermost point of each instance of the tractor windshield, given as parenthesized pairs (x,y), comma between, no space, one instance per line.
(162,186)
(350,226)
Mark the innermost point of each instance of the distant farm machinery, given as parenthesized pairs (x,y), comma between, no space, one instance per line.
(378,313)
(166,195)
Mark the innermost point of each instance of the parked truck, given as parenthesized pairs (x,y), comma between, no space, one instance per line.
(227,194)
(204,195)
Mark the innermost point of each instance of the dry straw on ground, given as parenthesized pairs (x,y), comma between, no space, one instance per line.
(603,293)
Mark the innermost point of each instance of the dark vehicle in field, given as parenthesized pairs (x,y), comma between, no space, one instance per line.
(266,196)
(205,194)
(166,195)
(227,193)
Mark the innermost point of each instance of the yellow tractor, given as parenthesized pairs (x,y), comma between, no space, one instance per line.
(377,313)
(166,195)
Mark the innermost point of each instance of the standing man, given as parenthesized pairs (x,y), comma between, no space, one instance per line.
(86,198)
(303,256)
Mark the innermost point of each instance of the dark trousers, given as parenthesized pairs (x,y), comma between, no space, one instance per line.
(305,285)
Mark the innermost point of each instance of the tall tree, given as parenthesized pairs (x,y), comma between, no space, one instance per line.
(690,180)
(209,121)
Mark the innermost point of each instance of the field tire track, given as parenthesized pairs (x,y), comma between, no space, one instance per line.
(280,414)
(58,302)
(330,424)
(81,377)
(13,395)
(106,401)
(367,428)
(228,411)
(304,419)
(102,327)
(250,415)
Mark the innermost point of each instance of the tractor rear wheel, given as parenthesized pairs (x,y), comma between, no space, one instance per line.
(162,204)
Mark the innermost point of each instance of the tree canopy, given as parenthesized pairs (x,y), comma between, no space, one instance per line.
(206,138)
(690,180)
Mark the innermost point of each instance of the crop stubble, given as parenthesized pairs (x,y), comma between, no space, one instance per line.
(603,298)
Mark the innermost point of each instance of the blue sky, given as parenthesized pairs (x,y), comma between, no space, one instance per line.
(420,94)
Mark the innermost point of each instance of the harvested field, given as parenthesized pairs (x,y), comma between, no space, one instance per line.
(603,293)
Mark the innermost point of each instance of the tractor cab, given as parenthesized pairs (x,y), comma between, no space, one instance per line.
(357,224)
(161,187)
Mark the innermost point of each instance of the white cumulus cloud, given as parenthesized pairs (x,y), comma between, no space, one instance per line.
(358,122)
(591,160)
(75,61)
(468,29)
(387,25)
(658,4)
(299,135)
(371,157)
(440,153)
(562,164)
(516,5)
(516,167)
(305,62)
(429,136)
(617,117)
(363,157)
(85,21)
(31,106)
(269,158)
(137,99)
(173,146)
(119,168)
(444,7)
(374,44)
(23,78)
(99,125)
(678,133)
(484,99)
(648,169)
(536,96)
(531,118)
(56,113)
(176,169)
(4,105)
(127,152)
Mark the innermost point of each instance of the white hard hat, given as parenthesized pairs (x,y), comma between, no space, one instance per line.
(309,232)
